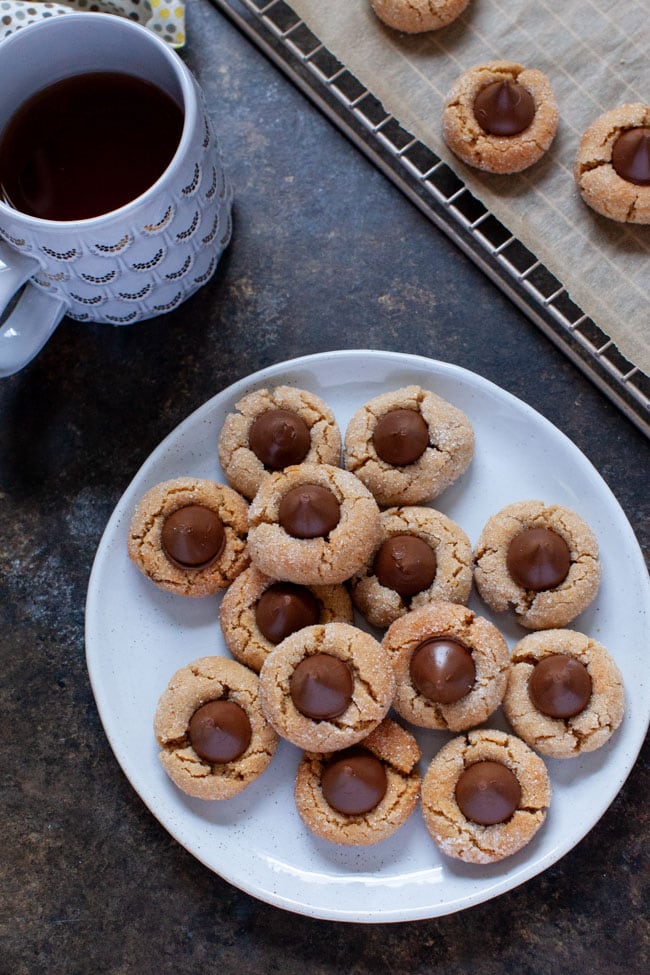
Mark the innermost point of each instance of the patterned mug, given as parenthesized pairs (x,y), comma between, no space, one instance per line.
(132,263)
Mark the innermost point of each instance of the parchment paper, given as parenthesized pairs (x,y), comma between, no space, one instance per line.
(597,56)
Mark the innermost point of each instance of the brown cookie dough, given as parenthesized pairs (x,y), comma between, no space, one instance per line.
(341,516)
(418,16)
(486,794)
(542,598)
(285,608)
(375,786)
(451,667)
(261,437)
(188,536)
(421,556)
(215,771)
(500,117)
(326,687)
(565,693)
(612,166)
(423,462)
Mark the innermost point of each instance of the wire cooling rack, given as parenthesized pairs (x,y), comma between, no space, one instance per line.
(443,197)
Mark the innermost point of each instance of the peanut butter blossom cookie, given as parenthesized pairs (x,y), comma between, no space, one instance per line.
(500,117)
(565,693)
(258,612)
(612,167)
(541,560)
(420,556)
(484,796)
(312,524)
(451,666)
(361,795)
(273,429)
(407,446)
(214,737)
(327,686)
(188,536)
(417,16)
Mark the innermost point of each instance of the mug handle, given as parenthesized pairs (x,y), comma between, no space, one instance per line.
(34,317)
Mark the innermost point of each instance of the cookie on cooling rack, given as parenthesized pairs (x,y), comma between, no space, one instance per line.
(500,117)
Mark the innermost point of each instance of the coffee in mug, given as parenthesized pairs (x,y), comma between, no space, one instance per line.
(138,216)
(87,145)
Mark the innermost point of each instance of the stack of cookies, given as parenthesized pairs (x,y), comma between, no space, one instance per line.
(314,530)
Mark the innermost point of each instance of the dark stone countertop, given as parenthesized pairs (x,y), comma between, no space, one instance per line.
(326,255)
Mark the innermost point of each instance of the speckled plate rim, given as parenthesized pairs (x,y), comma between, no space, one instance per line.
(137,636)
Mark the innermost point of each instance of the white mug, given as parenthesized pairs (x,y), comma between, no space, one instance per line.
(135,262)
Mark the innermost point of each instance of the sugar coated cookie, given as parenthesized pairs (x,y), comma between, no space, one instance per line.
(258,612)
(214,737)
(273,429)
(612,166)
(188,536)
(420,556)
(327,686)
(565,693)
(312,524)
(362,795)
(451,666)
(540,559)
(484,796)
(408,445)
(418,16)
(500,117)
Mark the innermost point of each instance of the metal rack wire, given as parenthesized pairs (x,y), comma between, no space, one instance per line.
(442,196)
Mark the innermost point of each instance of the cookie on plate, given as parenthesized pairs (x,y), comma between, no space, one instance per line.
(484,796)
(327,686)
(612,166)
(188,536)
(258,612)
(421,556)
(272,429)
(541,559)
(565,693)
(408,445)
(451,666)
(418,16)
(500,117)
(312,524)
(362,795)
(213,734)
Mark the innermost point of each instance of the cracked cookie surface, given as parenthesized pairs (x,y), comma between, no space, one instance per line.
(600,185)
(211,679)
(444,459)
(145,535)
(499,153)
(418,16)
(590,728)
(452,581)
(489,654)
(549,608)
(456,835)
(241,465)
(399,754)
(373,686)
(243,637)
(323,560)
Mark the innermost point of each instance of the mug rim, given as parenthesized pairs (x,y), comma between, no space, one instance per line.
(189,108)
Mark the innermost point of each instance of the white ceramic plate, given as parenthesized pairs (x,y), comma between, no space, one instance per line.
(137,636)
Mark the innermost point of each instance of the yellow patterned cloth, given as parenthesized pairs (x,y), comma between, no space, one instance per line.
(165,17)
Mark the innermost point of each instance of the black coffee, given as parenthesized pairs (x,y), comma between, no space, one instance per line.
(87,145)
